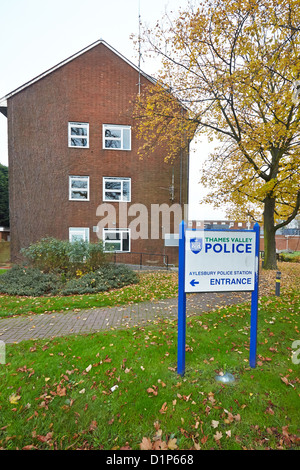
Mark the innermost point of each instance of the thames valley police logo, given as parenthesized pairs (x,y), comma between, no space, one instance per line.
(196,245)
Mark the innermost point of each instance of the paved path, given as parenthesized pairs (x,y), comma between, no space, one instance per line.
(32,327)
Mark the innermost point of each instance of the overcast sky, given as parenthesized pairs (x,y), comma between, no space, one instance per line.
(35,35)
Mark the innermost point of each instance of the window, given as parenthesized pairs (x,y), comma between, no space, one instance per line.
(78,134)
(116,137)
(116,239)
(116,189)
(79,188)
(77,234)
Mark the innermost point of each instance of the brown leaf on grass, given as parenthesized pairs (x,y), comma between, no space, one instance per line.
(146,444)
(285,380)
(218,436)
(153,390)
(93,426)
(156,425)
(61,391)
(164,408)
(126,447)
(160,445)
(47,438)
(211,398)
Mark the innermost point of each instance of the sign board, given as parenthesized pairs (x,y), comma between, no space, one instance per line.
(219,260)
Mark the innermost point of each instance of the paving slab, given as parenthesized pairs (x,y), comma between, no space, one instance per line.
(51,325)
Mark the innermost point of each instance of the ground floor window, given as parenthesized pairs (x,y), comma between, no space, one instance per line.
(116,239)
(79,234)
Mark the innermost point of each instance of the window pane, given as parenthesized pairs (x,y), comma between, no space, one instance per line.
(113,185)
(79,195)
(79,183)
(126,139)
(113,144)
(126,191)
(113,196)
(113,246)
(115,133)
(78,142)
(76,237)
(125,243)
(78,234)
(78,131)
(112,236)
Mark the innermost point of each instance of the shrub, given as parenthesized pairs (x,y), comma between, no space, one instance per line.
(51,255)
(290,257)
(33,282)
(28,281)
(107,277)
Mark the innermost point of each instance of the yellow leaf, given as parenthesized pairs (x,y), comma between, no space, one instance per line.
(172,444)
(13,399)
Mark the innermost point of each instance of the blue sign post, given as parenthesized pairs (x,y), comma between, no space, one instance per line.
(254,304)
(201,269)
(181,301)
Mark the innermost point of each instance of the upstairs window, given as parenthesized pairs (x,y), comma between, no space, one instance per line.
(116,189)
(78,134)
(116,137)
(79,188)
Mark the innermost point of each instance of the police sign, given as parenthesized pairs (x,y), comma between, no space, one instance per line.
(216,261)
(219,260)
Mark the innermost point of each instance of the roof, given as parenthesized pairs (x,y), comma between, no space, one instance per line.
(3,101)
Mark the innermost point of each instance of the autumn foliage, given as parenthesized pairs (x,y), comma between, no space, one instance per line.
(234,67)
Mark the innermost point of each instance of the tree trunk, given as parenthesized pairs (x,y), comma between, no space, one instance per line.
(270,261)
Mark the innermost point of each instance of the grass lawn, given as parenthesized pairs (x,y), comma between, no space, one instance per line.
(120,389)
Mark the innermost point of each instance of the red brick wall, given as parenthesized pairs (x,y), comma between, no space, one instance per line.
(284,243)
(96,87)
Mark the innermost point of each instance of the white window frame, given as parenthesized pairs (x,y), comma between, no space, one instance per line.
(79,125)
(117,179)
(121,138)
(121,231)
(81,231)
(87,190)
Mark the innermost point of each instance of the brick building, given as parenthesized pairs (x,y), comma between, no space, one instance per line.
(72,148)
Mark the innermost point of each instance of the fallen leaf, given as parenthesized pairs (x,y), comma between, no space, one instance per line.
(13,399)
(163,408)
(172,444)
(93,426)
(146,444)
(218,436)
(61,391)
